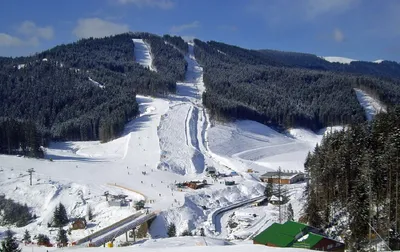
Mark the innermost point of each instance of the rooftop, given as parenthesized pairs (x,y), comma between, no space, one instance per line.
(283,175)
(274,236)
(308,241)
(287,235)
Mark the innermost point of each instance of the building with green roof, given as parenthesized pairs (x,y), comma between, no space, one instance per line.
(296,235)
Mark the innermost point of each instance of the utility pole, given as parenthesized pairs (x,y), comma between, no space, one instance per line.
(30,171)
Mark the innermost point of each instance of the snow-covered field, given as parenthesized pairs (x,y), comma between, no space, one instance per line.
(171,141)
(182,244)
(344,60)
(250,145)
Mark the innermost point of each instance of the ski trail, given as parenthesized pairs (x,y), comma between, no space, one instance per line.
(186,109)
(193,122)
(188,135)
(143,54)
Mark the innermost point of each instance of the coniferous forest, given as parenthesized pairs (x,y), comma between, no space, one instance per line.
(355,173)
(264,87)
(81,91)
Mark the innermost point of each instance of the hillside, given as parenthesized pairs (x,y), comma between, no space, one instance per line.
(285,89)
(188,121)
(169,141)
(83,91)
(86,90)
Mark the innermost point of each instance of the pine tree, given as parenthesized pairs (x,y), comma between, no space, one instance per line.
(27,237)
(139,205)
(312,211)
(186,233)
(10,243)
(171,230)
(62,237)
(89,214)
(290,213)
(359,212)
(268,189)
(43,239)
(60,216)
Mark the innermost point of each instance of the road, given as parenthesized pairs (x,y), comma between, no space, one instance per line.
(111,232)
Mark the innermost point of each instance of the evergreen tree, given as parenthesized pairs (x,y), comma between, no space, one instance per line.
(290,213)
(60,216)
(43,239)
(268,189)
(27,237)
(186,233)
(62,237)
(9,244)
(171,230)
(89,214)
(139,205)
(312,211)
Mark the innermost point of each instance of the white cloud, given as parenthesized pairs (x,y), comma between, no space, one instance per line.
(96,27)
(338,35)
(162,4)
(184,27)
(30,29)
(7,40)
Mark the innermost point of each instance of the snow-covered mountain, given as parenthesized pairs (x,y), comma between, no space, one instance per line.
(341,60)
(344,60)
(172,141)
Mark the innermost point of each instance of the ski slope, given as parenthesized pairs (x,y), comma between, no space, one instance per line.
(246,144)
(143,54)
(96,83)
(371,105)
(171,141)
(183,147)
(342,60)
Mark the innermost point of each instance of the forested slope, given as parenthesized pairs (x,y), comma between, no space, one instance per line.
(247,84)
(356,172)
(85,90)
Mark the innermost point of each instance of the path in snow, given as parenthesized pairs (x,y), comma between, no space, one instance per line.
(143,54)
(188,156)
(371,105)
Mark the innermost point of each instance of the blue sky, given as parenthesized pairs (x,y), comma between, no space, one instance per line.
(358,29)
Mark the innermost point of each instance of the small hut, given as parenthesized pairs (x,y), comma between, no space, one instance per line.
(79,223)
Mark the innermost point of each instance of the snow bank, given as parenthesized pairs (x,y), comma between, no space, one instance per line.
(179,244)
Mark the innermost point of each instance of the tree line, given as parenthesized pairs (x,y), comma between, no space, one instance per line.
(20,137)
(244,84)
(355,178)
(84,90)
